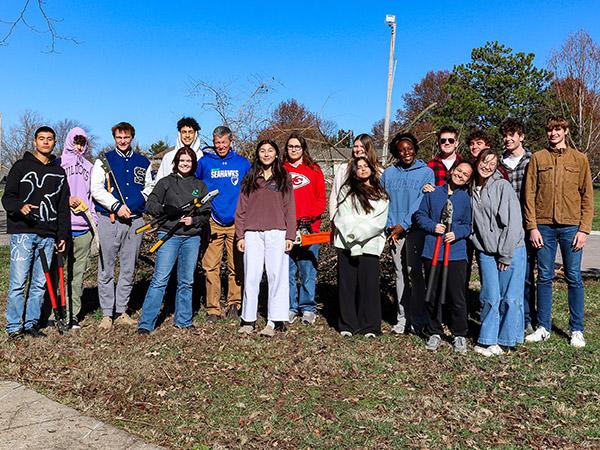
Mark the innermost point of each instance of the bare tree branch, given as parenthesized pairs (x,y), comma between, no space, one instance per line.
(242,107)
(576,67)
(49,27)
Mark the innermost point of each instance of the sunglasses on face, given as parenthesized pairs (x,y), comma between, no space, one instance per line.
(449,140)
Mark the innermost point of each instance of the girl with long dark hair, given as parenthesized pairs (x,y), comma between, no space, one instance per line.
(309,194)
(360,222)
(265,226)
(363,145)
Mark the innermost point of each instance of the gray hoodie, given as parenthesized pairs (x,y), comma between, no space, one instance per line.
(497,220)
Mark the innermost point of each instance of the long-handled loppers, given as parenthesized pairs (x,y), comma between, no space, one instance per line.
(60,312)
(196,204)
(446,219)
(445,216)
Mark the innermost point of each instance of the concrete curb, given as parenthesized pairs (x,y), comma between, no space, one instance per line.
(29,420)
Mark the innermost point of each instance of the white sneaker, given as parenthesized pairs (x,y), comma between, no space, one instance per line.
(246,329)
(370,335)
(541,334)
(345,334)
(495,349)
(398,328)
(460,345)
(577,339)
(268,331)
(485,351)
(292,317)
(434,342)
(309,317)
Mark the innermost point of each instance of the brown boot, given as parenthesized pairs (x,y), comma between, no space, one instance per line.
(106,323)
(125,319)
(233,313)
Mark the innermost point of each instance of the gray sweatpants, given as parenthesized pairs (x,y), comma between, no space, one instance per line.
(410,284)
(117,238)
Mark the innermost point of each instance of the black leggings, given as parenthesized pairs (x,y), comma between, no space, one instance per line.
(455,298)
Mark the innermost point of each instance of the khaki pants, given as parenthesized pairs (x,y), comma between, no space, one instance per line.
(211,263)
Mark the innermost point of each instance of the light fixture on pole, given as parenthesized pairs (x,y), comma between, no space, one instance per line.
(391,21)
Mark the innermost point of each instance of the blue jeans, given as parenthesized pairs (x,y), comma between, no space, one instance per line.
(184,251)
(502,320)
(305,260)
(23,256)
(562,235)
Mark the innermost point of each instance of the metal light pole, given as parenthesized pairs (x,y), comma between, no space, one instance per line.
(391,21)
(0,145)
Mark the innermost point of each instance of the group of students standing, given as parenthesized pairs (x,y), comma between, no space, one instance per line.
(434,214)
(511,211)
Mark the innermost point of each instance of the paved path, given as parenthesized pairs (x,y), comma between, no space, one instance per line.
(29,420)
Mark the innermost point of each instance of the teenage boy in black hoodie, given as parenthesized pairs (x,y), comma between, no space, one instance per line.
(36,200)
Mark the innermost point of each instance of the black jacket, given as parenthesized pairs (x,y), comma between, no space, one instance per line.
(177,191)
(42,185)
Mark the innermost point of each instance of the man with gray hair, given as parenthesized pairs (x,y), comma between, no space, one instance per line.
(223,170)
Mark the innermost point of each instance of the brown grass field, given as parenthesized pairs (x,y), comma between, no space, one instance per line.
(308,388)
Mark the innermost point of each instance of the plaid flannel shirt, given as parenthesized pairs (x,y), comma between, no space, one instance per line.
(516,176)
(439,169)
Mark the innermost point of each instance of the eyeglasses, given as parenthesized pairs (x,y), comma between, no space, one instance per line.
(488,165)
(294,147)
(449,140)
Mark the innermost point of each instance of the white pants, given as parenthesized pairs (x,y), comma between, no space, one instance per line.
(266,248)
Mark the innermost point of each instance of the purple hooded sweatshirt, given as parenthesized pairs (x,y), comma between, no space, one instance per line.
(79,176)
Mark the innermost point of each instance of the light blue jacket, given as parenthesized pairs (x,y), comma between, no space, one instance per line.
(405,187)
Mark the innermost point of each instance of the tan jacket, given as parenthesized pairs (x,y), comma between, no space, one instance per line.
(558,190)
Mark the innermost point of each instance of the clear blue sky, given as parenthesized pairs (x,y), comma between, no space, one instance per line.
(136,57)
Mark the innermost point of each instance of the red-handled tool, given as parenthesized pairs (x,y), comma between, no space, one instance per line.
(446,219)
(59,312)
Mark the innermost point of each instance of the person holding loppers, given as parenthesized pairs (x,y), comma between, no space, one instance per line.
(454,254)
(169,194)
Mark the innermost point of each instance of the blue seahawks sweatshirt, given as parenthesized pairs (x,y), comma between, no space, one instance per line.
(224,174)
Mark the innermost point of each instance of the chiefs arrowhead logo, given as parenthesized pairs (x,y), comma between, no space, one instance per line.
(299,180)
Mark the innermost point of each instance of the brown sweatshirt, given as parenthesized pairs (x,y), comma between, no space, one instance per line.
(266,209)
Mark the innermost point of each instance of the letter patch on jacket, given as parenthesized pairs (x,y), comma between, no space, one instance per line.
(140,175)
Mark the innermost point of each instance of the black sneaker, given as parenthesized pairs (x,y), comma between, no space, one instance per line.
(143,331)
(75,325)
(50,325)
(34,332)
(280,326)
(15,336)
